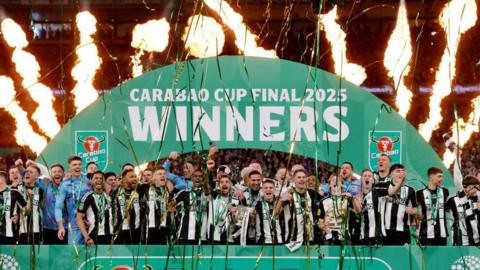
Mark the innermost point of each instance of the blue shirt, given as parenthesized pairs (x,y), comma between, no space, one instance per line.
(50,193)
(71,198)
(353,186)
(180,182)
(325,187)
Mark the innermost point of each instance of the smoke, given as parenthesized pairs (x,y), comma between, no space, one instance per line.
(3,14)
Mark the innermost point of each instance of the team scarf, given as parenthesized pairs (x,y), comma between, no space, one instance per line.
(435,208)
(219,217)
(103,204)
(125,207)
(431,216)
(157,202)
(30,219)
(302,218)
(5,211)
(196,210)
(5,206)
(270,225)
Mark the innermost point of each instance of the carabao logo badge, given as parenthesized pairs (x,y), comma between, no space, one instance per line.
(384,142)
(92,146)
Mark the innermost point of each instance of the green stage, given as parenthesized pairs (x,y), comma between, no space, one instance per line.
(251,257)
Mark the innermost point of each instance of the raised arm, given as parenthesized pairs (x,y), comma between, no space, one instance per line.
(358,203)
(392,190)
(457,174)
(285,198)
(173,178)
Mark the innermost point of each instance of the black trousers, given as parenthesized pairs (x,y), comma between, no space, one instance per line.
(190,242)
(29,238)
(334,241)
(50,237)
(377,241)
(7,240)
(128,237)
(102,239)
(433,242)
(158,236)
(395,238)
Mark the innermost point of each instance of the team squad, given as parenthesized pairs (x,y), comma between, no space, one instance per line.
(200,206)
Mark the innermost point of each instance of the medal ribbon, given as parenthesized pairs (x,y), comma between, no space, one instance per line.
(76,194)
(435,209)
(100,201)
(306,212)
(197,208)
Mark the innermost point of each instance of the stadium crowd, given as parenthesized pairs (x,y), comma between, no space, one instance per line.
(223,197)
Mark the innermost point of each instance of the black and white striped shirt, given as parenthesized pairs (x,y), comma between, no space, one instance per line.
(379,179)
(465,226)
(221,222)
(269,229)
(98,211)
(432,203)
(252,198)
(300,213)
(10,202)
(154,202)
(127,210)
(31,222)
(334,211)
(393,213)
(370,217)
(193,215)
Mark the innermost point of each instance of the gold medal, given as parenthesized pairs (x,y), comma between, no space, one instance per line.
(162,219)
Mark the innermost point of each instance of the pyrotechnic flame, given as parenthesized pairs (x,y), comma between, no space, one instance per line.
(245,40)
(88,61)
(456,18)
(203,36)
(151,36)
(336,38)
(24,133)
(465,130)
(13,34)
(28,68)
(397,58)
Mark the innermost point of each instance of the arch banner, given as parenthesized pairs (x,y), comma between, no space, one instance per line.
(242,102)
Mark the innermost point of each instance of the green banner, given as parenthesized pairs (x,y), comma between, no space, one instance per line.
(235,257)
(242,102)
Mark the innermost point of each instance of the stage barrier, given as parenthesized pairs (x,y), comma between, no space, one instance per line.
(236,257)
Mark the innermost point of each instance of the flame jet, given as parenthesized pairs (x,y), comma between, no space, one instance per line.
(28,68)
